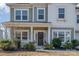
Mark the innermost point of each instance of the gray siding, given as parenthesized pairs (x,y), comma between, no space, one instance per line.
(46,16)
(11,14)
(30,15)
(35,14)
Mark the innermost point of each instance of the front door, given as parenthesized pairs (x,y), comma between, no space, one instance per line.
(40,38)
(18,37)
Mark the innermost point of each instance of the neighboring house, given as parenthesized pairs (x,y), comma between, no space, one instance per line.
(2,32)
(41,22)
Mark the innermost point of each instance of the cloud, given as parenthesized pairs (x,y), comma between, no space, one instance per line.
(4,13)
(4,7)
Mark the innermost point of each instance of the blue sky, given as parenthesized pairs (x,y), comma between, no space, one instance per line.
(4,13)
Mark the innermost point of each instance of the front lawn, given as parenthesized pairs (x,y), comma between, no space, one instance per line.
(25,53)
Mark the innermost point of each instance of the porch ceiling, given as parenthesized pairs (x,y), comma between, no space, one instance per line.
(24,24)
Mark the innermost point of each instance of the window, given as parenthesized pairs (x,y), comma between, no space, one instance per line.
(24,36)
(54,34)
(77,18)
(41,14)
(22,15)
(61,12)
(62,35)
(18,15)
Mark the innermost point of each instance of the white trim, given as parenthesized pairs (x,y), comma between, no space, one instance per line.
(49,28)
(37,14)
(61,13)
(74,33)
(31,34)
(33,14)
(21,14)
(21,33)
(57,30)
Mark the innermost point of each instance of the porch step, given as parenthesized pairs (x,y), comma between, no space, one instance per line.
(39,49)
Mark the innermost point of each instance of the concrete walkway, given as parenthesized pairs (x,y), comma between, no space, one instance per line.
(42,50)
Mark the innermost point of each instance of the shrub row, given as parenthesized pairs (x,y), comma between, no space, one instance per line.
(55,43)
(11,45)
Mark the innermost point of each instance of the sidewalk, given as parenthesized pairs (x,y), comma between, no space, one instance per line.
(42,50)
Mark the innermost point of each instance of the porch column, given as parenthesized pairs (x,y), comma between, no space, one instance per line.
(6,36)
(74,33)
(31,34)
(49,34)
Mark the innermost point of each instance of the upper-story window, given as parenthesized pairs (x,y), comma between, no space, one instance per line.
(77,18)
(40,14)
(21,15)
(61,13)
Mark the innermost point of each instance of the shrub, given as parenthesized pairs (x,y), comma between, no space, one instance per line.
(30,46)
(75,43)
(49,46)
(56,42)
(17,43)
(68,45)
(7,45)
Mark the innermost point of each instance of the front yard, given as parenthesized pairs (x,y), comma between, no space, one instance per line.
(27,53)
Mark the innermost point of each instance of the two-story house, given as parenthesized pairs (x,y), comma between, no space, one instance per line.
(41,22)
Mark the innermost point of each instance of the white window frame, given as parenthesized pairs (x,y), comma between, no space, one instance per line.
(77,18)
(21,14)
(64,34)
(21,33)
(37,14)
(61,13)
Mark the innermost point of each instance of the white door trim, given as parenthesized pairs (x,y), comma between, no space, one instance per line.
(36,31)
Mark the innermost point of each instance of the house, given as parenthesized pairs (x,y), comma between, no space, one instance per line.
(3,32)
(41,22)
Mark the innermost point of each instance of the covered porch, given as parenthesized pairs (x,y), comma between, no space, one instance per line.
(39,33)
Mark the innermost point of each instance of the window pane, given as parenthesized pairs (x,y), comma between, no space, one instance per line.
(61,36)
(41,11)
(77,18)
(61,33)
(61,10)
(24,35)
(41,16)
(61,15)
(18,15)
(24,15)
(54,34)
(18,12)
